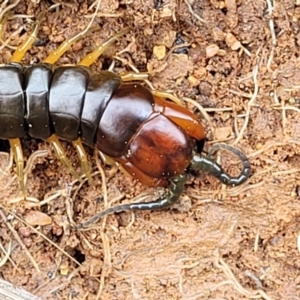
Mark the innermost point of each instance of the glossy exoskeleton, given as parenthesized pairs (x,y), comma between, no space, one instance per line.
(154,140)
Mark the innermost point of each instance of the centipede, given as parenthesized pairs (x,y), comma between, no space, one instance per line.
(153,139)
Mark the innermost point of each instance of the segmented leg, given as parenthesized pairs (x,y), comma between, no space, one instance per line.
(107,160)
(27,44)
(60,153)
(84,161)
(92,57)
(170,197)
(54,56)
(166,95)
(16,148)
(131,76)
(207,164)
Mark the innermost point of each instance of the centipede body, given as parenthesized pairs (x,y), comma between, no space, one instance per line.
(154,140)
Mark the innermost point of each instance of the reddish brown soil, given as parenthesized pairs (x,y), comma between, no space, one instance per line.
(219,243)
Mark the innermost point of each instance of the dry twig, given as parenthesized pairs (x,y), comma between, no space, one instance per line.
(220,264)
(250,104)
(193,13)
(19,240)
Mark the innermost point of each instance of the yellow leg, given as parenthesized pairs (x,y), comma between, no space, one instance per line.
(25,46)
(60,153)
(53,57)
(107,160)
(168,96)
(19,160)
(84,161)
(92,57)
(131,76)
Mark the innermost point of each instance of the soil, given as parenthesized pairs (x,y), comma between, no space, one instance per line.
(239,60)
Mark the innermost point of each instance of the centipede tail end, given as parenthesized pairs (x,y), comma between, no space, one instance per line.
(170,197)
(207,164)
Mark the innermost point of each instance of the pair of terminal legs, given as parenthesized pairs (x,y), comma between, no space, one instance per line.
(177,184)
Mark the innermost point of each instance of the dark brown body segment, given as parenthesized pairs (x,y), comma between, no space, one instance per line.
(129,107)
(66,100)
(37,82)
(12,104)
(100,89)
